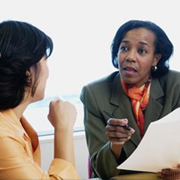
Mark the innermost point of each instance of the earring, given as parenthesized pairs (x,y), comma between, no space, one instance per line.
(154,68)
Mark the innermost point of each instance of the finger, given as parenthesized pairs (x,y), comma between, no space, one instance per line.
(118,140)
(176,166)
(114,136)
(166,171)
(116,129)
(124,130)
(117,134)
(117,122)
(111,128)
(160,174)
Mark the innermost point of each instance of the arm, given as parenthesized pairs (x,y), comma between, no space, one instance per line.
(63,145)
(17,162)
(103,154)
(62,116)
(117,135)
(99,147)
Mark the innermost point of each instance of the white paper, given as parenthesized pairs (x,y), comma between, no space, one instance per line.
(159,148)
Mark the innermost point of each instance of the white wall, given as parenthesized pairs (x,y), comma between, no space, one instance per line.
(80,148)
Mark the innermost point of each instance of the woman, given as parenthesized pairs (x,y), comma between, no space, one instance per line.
(142,91)
(24,50)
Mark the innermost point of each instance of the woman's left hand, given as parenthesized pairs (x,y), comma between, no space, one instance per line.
(170,173)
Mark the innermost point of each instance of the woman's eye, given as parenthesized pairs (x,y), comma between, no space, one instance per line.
(142,51)
(123,48)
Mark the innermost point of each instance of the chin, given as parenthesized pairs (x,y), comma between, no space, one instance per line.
(129,81)
(41,98)
(38,98)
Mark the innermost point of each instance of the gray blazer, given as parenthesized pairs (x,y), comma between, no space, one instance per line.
(106,96)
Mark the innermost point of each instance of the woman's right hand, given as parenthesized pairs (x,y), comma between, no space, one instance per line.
(116,133)
(62,114)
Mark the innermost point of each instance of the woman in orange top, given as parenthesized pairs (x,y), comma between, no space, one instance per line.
(24,50)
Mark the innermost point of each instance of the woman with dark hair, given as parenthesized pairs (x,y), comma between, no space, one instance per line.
(24,50)
(143,90)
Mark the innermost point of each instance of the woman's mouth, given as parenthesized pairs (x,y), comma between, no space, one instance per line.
(129,71)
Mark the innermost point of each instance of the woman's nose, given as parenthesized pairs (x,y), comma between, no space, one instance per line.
(131,56)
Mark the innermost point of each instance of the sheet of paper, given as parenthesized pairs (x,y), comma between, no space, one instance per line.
(159,148)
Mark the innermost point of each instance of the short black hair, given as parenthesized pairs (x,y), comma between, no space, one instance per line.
(163,45)
(22,46)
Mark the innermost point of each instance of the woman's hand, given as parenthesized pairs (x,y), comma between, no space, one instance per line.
(116,133)
(170,173)
(62,115)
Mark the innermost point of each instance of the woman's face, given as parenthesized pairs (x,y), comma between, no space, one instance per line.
(42,78)
(137,56)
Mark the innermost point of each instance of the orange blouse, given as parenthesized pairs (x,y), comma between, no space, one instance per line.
(20,152)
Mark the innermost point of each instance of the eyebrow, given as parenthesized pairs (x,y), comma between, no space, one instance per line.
(124,41)
(142,43)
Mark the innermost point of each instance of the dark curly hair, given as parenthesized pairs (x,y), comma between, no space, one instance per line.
(22,46)
(163,45)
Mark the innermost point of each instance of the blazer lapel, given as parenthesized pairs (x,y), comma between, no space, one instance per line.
(154,108)
(123,108)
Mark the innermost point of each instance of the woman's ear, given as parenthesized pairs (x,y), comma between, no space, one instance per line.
(157,57)
(29,76)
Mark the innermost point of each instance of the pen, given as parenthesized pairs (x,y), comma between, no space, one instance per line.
(125,126)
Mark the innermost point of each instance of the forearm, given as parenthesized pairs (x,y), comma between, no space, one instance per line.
(116,150)
(104,162)
(64,145)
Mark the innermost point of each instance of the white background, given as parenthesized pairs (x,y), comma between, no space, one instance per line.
(82,31)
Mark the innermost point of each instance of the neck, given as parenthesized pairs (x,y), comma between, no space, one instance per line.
(19,110)
(139,85)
